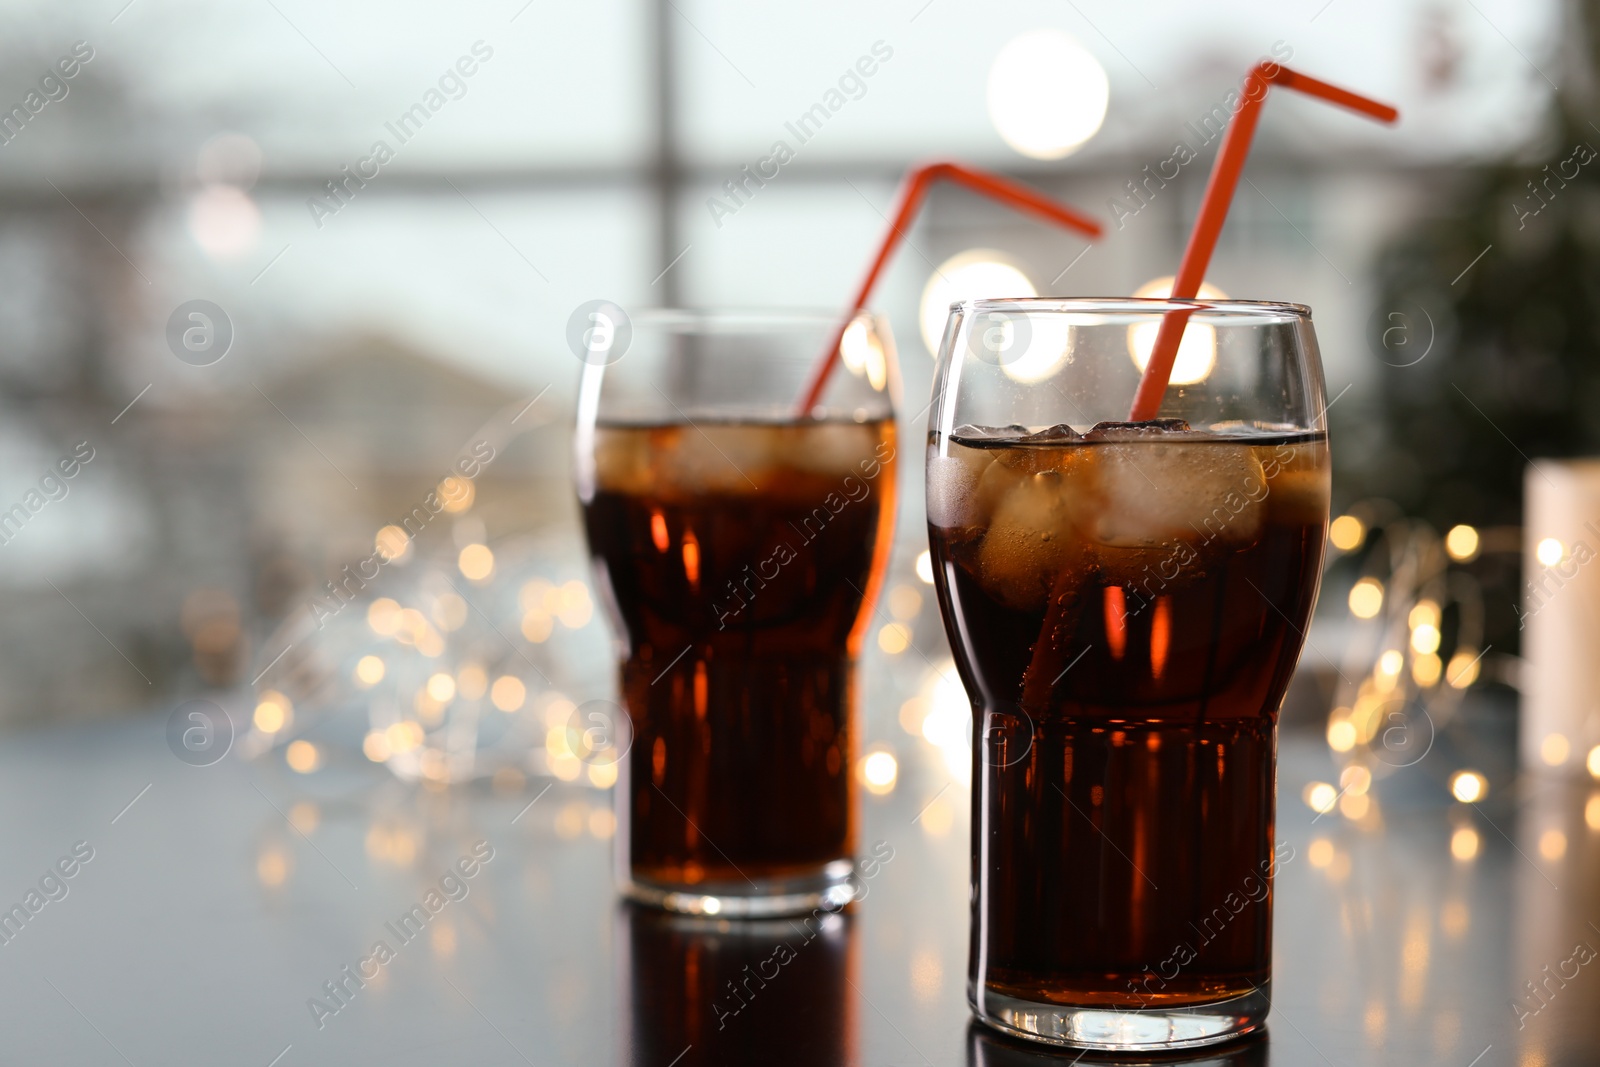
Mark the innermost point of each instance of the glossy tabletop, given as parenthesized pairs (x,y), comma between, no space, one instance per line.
(233,914)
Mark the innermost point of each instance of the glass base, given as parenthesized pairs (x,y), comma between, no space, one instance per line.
(828,889)
(1149,1029)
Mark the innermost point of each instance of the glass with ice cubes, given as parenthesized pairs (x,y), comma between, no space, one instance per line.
(1126,602)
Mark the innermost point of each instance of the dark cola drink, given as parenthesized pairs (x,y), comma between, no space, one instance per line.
(1126,609)
(740,560)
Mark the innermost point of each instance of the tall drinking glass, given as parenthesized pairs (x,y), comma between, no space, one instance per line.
(1126,603)
(738,545)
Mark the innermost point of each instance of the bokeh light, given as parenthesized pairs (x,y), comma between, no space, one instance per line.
(1347,532)
(1197,351)
(1462,543)
(1469,787)
(1047,94)
(974,274)
(1366,598)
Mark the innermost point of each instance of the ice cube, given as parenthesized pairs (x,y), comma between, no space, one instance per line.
(1059,434)
(1033,543)
(835,449)
(1153,491)
(969,432)
(1135,431)
(1299,481)
(953,481)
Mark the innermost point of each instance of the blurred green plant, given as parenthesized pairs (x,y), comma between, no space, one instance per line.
(1488,330)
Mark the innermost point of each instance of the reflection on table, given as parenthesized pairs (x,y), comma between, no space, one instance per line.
(707,991)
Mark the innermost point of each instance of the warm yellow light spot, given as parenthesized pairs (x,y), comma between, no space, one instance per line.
(272,868)
(575,608)
(405,736)
(369,670)
(375,746)
(409,625)
(537,626)
(272,714)
(305,817)
(1454,918)
(442,687)
(937,818)
(302,756)
(1320,853)
(603,775)
(1550,551)
(1593,761)
(973,274)
(602,824)
(508,693)
(1591,812)
(912,714)
(1424,613)
(1355,779)
(1425,670)
(1554,749)
(430,644)
(1463,670)
(571,819)
(1366,598)
(472,681)
(558,711)
(1425,637)
(434,766)
(904,602)
(1464,843)
(442,936)
(1047,94)
(1390,662)
(1320,797)
(565,766)
(1552,845)
(1341,734)
(1469,787)
(878,771)
(1197,351)
(383,615)
(1354,807)
(449,612)
(1462,543)
(556,743)
(862,353)
(925,567)
(1347,532)
(457,494)
(392,542)
(476,562)
(894,638)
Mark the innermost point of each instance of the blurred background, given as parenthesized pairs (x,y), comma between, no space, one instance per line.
(276,267)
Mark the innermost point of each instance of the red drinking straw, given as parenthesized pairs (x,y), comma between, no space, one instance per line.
(1214,211)
(912,191)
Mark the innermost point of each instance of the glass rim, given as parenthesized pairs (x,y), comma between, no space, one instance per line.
(1250,310)
(756,318)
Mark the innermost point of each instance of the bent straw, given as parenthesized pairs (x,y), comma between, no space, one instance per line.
(1214,211)
(912,192)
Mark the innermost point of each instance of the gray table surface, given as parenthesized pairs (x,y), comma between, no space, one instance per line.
(206,921)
